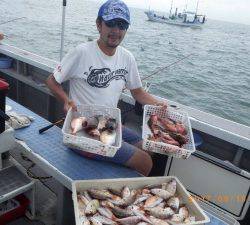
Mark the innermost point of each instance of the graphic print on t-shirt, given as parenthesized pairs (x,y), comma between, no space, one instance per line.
(101,78)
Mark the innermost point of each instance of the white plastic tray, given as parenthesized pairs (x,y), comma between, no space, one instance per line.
(84,143)
(193,207)
(179,152)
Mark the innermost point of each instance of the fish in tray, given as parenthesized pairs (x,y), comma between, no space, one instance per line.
(98,127)
(167,131)
(152,204)
(77,124)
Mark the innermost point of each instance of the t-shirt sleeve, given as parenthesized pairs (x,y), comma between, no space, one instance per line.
(67,67)
(133,79)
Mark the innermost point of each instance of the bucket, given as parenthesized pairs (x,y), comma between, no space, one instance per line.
(5,62)
(4,87)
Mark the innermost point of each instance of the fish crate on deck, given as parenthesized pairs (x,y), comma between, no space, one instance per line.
(139,183)
(83,142)
(163,148)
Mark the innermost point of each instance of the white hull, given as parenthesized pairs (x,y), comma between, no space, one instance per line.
(177,22)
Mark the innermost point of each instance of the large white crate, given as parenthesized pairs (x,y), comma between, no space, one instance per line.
(179,116)
(84,143)
(134,183)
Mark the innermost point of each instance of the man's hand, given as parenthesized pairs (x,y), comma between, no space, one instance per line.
(68,105)
(163,104)
(1,36)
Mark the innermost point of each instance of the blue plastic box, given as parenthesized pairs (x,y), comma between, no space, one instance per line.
(5,62)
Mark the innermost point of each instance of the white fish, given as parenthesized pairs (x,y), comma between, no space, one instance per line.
(125,192)
(129,220)
(94,221)
(174,202)
(84,199)
(77,124)
(107,204)
(153,201)
(161,193)
(161,213)
(100,194)
(158,221)
(171,186)
(92,207)
(190,219)
(162,204)
(102,120)
(106,212)
(184,212)
(141,198)
(108,137)
(87,196)
(104,220)
(81,203)
(120,212)
(84,220)
(176,218)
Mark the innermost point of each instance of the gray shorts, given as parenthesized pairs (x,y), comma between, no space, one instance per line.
(129,138)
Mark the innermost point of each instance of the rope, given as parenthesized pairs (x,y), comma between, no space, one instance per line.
(29,173)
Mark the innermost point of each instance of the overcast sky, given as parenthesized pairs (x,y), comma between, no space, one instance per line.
(237,11)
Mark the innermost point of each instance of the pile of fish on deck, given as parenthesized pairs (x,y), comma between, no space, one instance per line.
(154,204)
(98,127)
(167,131)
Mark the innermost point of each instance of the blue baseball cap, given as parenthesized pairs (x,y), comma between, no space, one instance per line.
(114,9)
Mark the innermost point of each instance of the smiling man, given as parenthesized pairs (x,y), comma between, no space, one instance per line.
(98,71)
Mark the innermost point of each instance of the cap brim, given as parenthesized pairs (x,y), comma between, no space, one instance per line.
(111,17)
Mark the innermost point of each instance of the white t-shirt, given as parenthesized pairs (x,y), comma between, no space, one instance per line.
(96,78)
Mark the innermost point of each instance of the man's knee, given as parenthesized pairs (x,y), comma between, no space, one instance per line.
(141,161)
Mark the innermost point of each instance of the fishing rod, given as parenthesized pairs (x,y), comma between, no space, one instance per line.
(138,107)
(12,20)
(165,67)
(148,85)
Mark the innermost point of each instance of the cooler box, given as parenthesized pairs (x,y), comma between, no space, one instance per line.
(217,187)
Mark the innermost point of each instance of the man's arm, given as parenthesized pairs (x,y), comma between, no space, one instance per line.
(60,94)
(144,97)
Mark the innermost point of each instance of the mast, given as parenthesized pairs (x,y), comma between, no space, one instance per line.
(186,6)
(170,13)
(197,7)
(63,28)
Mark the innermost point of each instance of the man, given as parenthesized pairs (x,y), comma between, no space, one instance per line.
(98,71)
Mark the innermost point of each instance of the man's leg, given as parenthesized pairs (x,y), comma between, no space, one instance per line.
(141,161)
(129,154)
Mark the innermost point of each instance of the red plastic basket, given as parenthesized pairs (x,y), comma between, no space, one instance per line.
(17,212)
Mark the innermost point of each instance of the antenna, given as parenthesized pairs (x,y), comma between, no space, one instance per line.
(186,6)
(197,7)
(170,13)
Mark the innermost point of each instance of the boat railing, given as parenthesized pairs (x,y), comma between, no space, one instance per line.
(221,128)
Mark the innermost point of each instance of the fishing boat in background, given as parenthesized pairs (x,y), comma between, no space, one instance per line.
(185,19)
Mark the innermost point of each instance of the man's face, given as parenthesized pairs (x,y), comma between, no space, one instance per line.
(112,32)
